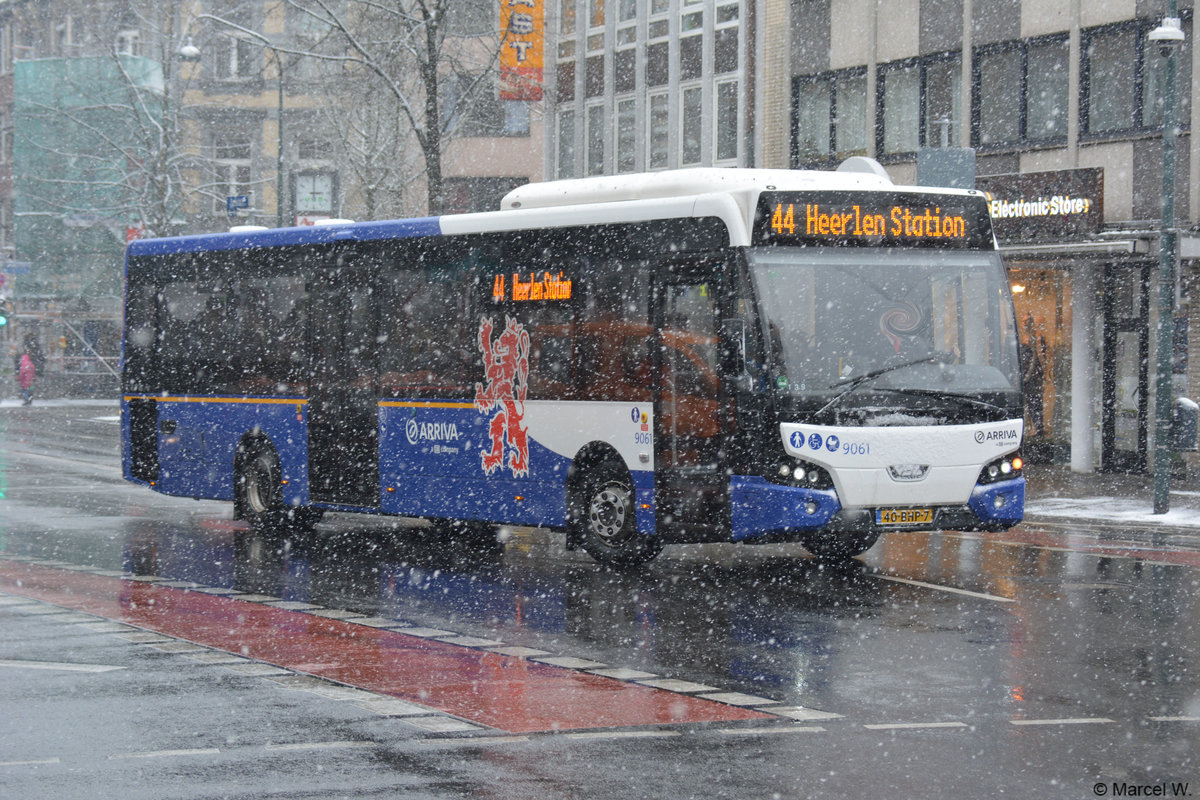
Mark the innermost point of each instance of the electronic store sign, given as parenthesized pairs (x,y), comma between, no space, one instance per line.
(873,219)
(1045,206)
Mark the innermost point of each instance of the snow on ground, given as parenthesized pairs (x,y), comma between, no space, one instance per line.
(1184,509)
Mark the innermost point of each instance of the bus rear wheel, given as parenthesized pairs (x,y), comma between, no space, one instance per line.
(602,520)
(260,494)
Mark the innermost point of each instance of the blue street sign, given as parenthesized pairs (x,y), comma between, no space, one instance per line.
(234,202)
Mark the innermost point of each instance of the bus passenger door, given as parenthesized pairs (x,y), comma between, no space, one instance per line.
(692,488)
(343,424)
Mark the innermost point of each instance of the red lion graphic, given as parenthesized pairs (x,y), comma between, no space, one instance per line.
(506,370)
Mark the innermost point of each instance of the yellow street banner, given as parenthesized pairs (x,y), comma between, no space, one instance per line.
(522,42)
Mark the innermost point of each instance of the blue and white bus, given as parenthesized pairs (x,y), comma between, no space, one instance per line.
(693,356)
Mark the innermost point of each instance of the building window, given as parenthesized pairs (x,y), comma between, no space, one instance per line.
(829,117)
(1020,93)
(625,70)
(1112,72)
(566,144)
(919,104)
(692,119)
(235,58)
(900,112)
(942,90)
(472,108)
(626,135)
(566,18)
(595,140)
(727,117)
(1046,95)
(232,169)
(659,155)
(657,64)
(129,43)
(999,96)
(691,57)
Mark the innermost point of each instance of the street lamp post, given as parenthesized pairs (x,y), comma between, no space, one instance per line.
(1168,36)
(279,126)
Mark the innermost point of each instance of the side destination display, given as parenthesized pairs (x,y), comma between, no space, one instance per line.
(873,219)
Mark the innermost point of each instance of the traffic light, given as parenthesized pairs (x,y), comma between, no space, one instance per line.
(6,312)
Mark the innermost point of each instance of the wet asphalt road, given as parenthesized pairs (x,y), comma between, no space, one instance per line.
(1030,664)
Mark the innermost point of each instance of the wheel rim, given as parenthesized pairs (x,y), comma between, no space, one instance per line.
(607,513)
(259,484)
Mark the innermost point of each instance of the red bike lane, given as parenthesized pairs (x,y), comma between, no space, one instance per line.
(508,693)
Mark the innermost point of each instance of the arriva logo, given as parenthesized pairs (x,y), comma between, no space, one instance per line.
(996,436)
(431,432)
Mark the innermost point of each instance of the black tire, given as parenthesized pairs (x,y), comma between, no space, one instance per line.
(839,545)
(468,534)
(260,494)
(602,519)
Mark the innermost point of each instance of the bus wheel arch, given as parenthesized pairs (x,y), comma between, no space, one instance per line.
(601,510)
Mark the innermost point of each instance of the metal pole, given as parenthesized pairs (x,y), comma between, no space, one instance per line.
(279,164)
(1166,285)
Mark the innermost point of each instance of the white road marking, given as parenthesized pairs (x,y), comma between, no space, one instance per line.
(772,731)
(441,724)
(303,746)
(1067,721)
(675,685)
(475,740)
(198,751)
(34,762)
(802,714)
(940,588)
(569,662)
(598,735)
(623,674)
(58,666)
(1174,719)
(737,699)
(903,726)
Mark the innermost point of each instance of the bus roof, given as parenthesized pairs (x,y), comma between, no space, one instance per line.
(724,193)
(689,182)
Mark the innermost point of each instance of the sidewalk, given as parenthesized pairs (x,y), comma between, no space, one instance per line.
(1055,494)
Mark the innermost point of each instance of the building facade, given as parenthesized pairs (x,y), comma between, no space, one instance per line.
(241,123)
(1053,106)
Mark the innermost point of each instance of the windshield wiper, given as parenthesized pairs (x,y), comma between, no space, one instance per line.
(965,399)
(859,380)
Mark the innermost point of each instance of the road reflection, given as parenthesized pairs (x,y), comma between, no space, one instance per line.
(1056,627)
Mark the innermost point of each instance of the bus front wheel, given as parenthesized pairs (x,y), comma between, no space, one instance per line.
(602,520)
(839,545)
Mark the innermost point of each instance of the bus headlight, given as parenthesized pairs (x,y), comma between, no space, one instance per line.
(1002,469)
(805,475)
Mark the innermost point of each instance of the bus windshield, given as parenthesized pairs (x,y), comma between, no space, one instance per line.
(928,329)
